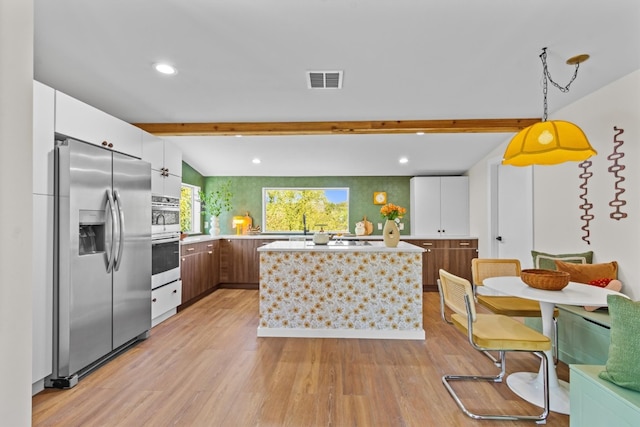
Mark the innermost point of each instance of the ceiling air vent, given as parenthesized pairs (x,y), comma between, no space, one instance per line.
(324,79)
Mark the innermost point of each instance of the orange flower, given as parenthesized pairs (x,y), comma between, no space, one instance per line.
(391,211)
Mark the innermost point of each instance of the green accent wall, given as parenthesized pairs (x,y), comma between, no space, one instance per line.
(191,176)
(247,196)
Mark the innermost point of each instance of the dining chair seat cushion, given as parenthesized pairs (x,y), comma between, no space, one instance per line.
(512,306)
(497,332)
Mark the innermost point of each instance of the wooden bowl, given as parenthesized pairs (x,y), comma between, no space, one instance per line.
(549,280)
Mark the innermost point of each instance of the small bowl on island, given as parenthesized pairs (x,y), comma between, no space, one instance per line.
(548,280)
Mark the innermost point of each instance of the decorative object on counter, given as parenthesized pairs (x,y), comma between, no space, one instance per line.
(216,202)
(615,169)
(214,226)
(548,280)
(390,232)
(360,228)
(254,230)
(238,223)
(183,235)
(379,197)
(248,222)
(368,226)
(320,237)
(550,142)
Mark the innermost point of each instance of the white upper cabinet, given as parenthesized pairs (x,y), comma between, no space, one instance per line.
(166,165)
(440,206)
(43,129)
(81,121)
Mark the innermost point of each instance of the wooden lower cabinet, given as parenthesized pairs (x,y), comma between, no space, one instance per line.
(199,269)
(240,262)
(453,255)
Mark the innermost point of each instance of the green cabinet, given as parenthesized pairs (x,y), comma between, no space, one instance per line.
(596,402)
(583,336)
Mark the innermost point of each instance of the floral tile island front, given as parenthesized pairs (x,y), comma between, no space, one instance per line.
(363,290)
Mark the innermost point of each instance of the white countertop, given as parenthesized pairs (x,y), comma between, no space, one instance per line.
(308,246)
(207,237)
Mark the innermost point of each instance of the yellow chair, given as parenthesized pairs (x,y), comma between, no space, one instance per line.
(491,332)
(483,268)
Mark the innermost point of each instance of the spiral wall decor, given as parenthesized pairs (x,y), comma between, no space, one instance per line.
(585,206)
(617,203)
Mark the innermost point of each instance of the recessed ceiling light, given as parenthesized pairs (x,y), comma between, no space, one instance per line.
(165,68)
(256,161)
(403,160)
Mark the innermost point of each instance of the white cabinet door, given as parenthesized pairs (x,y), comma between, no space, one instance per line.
(440,206)
(164,301)
(43,140)
(153,150)
(425,206)
(166,165)
(169,185)
(173,159)
(172,186)
(454,205)
(86,123)
(42,283)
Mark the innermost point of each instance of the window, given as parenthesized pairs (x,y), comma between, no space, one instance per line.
(283,209)
(190,209)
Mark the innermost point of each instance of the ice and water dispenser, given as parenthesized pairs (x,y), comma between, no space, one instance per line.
(91,233)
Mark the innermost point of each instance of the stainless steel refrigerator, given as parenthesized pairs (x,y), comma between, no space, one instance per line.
(102,266)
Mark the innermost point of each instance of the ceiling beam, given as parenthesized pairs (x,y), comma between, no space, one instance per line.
(339,128)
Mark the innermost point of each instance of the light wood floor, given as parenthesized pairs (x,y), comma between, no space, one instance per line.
(206,367)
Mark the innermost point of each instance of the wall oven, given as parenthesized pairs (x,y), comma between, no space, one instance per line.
(165,260)
(165,215)
(165,240)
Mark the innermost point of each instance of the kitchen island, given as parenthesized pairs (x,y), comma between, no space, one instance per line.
(349,289)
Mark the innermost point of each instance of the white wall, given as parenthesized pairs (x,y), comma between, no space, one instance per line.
(16,89)
(556,188)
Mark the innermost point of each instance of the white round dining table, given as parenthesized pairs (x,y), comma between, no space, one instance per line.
(529,385)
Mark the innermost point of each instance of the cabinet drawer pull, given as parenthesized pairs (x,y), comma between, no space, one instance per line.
(154,300)
(427,244)
(464,243)
(210,246)
(210,252)
(191,249)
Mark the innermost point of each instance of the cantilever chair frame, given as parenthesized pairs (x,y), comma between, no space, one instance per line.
(446,379)
(477,282)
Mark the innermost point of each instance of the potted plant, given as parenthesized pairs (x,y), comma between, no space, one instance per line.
(216,202)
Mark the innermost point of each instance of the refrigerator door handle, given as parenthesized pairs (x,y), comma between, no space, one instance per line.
(112,211)
(118,201)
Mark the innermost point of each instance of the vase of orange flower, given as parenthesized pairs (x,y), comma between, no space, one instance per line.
(390,232)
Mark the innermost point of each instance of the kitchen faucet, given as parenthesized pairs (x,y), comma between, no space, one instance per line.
(304,224)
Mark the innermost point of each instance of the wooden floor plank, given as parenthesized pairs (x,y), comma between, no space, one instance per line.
(206,367)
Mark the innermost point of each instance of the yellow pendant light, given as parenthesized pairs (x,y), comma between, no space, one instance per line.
(549,142)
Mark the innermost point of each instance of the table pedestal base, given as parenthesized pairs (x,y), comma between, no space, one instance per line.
(528,386)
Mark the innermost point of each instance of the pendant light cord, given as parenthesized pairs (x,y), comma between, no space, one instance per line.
(547,77)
